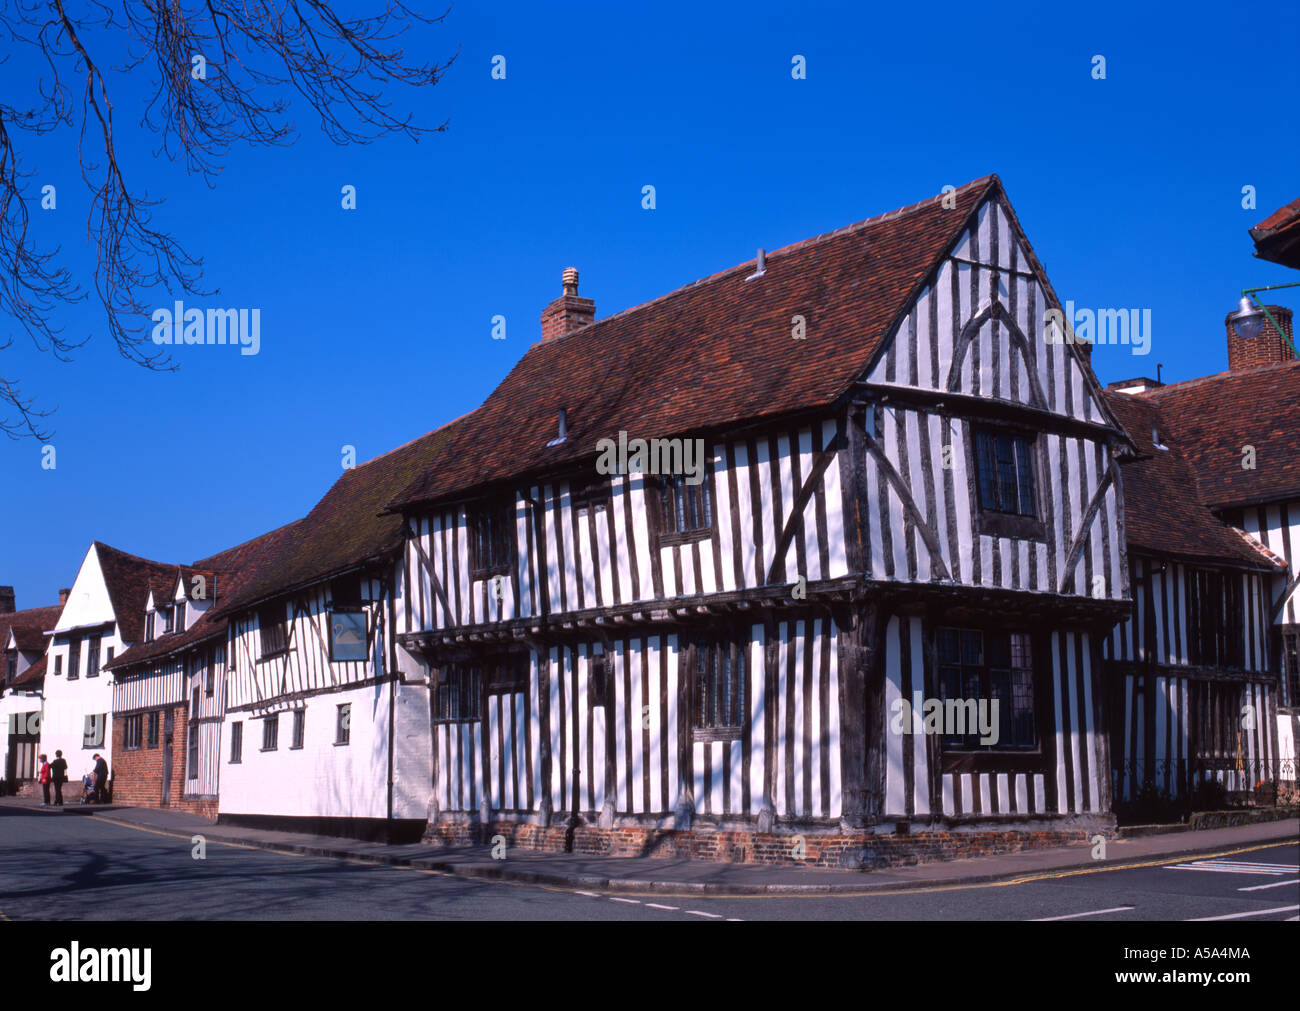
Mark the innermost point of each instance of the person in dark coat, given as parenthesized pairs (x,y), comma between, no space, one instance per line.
(101,780)
(58,776)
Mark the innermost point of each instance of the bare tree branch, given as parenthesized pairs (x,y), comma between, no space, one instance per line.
(221,70)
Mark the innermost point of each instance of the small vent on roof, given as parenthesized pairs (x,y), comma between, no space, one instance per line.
(564,430)
(761,267)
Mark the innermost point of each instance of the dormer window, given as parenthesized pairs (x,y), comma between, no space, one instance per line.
(148,627)
(270,623)
(166,613)
(180,617)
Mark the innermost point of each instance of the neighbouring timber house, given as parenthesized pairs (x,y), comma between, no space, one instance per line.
(293,705)
(906,496)
(24,637)
(1210,662)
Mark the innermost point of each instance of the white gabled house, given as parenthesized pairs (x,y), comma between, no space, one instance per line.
(24,639)
(103,615)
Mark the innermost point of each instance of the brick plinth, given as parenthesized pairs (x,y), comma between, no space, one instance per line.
(839,849)
(137,772)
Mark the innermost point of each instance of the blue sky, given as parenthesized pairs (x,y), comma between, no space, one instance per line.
(376,321)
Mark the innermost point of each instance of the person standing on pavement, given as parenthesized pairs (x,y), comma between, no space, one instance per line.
(59,776)
(101,780)
(45,780)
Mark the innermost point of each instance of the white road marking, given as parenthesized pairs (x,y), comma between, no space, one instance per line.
(590,895)
(1234,867)
(630,902)
(1242,916)
(1075,916)
(1275,884)
(711,916)
(655,905)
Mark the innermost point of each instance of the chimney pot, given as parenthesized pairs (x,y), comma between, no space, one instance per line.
(64,594)
(569,312)
(1268,347)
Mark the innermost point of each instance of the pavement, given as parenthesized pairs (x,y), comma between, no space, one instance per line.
(676,876)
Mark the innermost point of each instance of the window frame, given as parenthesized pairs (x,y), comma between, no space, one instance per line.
(236,742)
(74,658)
(151,732)
(271,732)
(704,647)
(103,724)
(133,732)
(299,729)
(467,679)
(149,627)
(992,520)
(1037,758)
(664,494)
(178,623)
(273,634)
(94,645)
(492,516)
(343,724)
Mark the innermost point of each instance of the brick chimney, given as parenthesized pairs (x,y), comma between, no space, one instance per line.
(568,312)
(64,594)
(6,600)
(1268,348)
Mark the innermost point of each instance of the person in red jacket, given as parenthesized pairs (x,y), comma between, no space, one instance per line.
(45,780)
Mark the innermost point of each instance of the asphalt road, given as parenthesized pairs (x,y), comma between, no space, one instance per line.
(73,868)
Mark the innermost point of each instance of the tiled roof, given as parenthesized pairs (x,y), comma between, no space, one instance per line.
(129,579)
(1163,510)
(346,528)
(32,677)
(29,627)
(1215,417)
(1277,237)
(226,571)
(716,352)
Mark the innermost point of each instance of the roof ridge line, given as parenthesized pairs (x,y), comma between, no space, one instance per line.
(897,212)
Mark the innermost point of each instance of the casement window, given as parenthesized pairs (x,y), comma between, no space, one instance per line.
(110,655)
(1006,472)
(210,670)
(236,742)
(1216,627)
(299,728)
(271,627)
(507,674)
(58,664)
(598,675)
(491,539)
(192,736)
(343,724)
(166,613)
(458,694)
(180,617)
(1291,666)
(92,657)
(11,665)
(718,703)
(983,668)
(592,495)
(685,509)
(153,730)
(132,731)
(93,734)
(271,733)
(74,658)
(148,627)
(1216,708)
